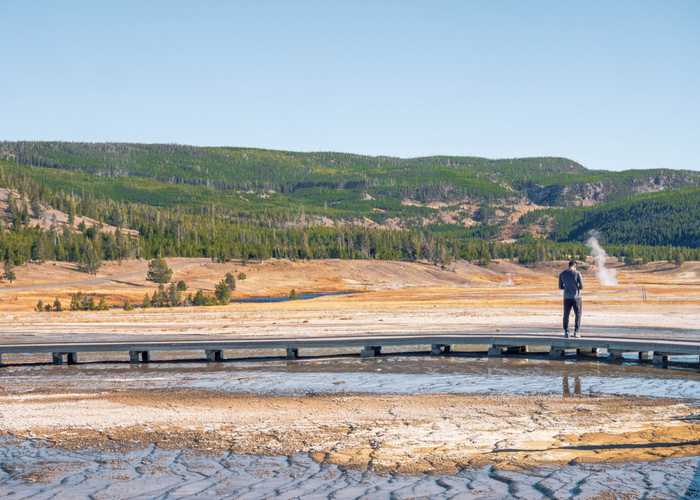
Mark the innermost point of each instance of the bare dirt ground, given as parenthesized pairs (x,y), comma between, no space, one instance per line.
(410,434)
(392,297)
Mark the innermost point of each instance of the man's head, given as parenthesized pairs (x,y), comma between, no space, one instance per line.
(572,264)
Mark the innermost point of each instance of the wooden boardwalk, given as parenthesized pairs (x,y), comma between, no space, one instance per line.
(659,350)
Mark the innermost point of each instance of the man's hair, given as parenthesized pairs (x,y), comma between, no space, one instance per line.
(572,263)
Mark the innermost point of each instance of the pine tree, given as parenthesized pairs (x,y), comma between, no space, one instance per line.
(158,271)
(230,281)
(71,213)
(159,297)
(222,292)
(9,273)
(37,209)
(89,260)
(37,251)
(173,295)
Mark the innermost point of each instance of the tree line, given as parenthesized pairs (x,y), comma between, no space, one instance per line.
(222,235)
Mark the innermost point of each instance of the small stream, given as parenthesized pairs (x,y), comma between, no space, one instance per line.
(384,375)
(287,298)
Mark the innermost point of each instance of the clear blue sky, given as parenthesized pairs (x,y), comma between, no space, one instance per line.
(613,84)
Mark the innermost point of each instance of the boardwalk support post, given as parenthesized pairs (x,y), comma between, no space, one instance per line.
(292,353)
(437,349)
(495,351)
(370,351)
(214,355)
(57,358)
(556,352)
(616,355)
(139,356)
(589,353)
(516,349)
(646,356)
(72,358)
(661,360)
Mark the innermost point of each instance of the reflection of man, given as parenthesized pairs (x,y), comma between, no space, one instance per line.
(571,282)
(565,385)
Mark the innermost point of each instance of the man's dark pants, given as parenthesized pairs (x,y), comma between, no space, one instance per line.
(577,306)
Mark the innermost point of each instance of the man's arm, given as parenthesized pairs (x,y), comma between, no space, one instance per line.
(579,281)
(561,283)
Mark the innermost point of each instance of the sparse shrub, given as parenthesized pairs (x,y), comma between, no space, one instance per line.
(199,298)
(39,306)
(173,296)
(242,276)
(75,300)
(679,259)
(222,292)
(80,301)
(57,306)
(127,305)
(102,306)
(146,303)
(181,286)
(230,281)
(293,294)
(159,297)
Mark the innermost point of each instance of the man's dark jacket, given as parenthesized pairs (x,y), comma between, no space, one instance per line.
(571,282)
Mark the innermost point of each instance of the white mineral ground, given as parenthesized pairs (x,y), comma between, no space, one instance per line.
(428,433)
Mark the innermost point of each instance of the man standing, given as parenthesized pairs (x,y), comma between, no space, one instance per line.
(571,282)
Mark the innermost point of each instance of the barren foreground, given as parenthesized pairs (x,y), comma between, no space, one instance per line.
(430,433)
(420,433)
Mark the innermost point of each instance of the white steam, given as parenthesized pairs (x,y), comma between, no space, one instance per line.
(606,277)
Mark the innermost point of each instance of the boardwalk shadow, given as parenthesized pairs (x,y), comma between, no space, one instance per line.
(604,447)
(693,491)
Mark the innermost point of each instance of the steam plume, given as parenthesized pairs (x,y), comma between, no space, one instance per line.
(606,277)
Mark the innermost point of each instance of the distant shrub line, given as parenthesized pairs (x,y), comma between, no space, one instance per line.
(171,295)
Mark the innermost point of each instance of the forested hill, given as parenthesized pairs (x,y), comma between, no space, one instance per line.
(668,218)
(78,201)
(445,179)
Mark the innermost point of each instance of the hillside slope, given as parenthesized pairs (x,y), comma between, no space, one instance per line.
(668,218)
(541,180)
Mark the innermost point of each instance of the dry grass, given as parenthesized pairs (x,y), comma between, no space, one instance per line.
(396,296)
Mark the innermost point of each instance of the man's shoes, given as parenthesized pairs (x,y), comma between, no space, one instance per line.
(577,334)
(566,334)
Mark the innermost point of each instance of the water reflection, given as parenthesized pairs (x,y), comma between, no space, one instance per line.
(389,375)
(566,391)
